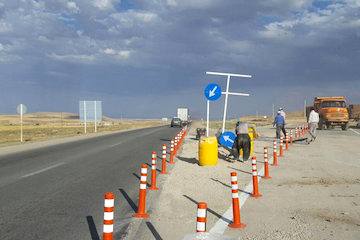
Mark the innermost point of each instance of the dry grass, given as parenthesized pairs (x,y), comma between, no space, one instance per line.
(43,126)
(291,118)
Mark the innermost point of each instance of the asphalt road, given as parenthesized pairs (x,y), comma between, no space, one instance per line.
(57,192)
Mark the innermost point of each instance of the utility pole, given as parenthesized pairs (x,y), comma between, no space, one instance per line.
(95,117)
(273,110)
(305,108)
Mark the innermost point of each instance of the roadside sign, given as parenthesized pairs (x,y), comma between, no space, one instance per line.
(227,139)
(21,109)
(212,92)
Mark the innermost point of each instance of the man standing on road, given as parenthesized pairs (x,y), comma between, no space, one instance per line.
(279,122)
(242,141)
(313,124)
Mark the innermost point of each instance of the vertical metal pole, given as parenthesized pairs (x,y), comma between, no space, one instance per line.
(226,100)
(207,117)
(305,108)
(273,110)
(21,122)
(95,116)
(85,116)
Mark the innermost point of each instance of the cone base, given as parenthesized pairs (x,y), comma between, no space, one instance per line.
(153,188)
(237,225)
(275,164)
(171,162)
(164,173)
(256,195)
(141,215)
(266,177)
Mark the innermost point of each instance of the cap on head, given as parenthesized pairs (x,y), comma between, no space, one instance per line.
(280,109)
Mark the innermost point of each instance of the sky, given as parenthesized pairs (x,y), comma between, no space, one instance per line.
(143,59)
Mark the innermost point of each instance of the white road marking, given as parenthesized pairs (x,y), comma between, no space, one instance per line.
(354,131)
(42,170)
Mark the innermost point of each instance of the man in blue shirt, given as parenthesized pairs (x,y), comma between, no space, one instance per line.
(279,122)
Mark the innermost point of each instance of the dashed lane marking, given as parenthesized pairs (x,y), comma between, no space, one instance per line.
(42,170)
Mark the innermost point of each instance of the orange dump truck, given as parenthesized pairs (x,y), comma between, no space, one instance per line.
(333,111)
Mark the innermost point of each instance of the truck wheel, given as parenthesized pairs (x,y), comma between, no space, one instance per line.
(328,126)
(345,126)
(321,124)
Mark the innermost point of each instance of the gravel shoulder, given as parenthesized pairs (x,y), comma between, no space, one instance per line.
(313,193)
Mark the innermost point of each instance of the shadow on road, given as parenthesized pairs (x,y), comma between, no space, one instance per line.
(240,170)
(92,228)
(128,199)
(153,231)
(210,210)
(188,160)
(226,185)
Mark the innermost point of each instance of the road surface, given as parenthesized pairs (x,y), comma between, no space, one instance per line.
(57,192)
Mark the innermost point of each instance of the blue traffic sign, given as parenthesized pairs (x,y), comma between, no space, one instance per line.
(227,139)
(212,92)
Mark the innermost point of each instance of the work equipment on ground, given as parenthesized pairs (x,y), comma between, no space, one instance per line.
(253,135)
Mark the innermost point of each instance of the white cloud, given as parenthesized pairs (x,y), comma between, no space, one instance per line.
(104,4)
(73,7)
(75,58)
(122,54)
(5,27)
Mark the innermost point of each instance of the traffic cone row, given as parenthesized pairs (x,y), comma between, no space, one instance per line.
(108,227)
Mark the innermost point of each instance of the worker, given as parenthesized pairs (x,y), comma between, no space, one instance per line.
(242,141)
(313,124)
(282,113)
(279,123)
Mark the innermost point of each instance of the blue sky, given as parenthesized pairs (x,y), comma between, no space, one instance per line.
(146,58)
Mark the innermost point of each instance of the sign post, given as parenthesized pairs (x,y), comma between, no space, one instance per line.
(85,113)
(21,109)
(212,93)
(227,93)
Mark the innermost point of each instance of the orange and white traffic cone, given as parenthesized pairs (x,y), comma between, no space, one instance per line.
(176,145)
(201,217)
(172,152)
(141,211)
(291,136)
(275,158)
(255,192)
(108,227)
(281,146)
(153,172)
(266,164)
(163,162)
(236,223)
(287,142)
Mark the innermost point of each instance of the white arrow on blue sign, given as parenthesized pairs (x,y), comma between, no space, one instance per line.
(212,92)
(227,139)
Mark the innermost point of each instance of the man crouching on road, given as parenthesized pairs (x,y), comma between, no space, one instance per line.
(242,141)
(313,124)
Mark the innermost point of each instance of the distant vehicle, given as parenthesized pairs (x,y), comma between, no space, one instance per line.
(332,111)
(183,114)
(176,122)
(354,110)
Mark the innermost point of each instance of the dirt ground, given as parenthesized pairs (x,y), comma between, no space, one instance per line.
(314,193)
(45,126)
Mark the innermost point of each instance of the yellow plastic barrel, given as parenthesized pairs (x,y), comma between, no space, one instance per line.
(253,135)
(208,151)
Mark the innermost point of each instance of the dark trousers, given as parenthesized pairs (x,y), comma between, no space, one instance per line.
(242,141)
(279,129)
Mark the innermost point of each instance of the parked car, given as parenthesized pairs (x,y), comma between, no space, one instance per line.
(176,122)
